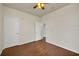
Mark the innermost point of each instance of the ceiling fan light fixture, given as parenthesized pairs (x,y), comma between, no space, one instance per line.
(40,6)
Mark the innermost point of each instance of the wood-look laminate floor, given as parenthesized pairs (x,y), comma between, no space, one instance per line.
(37,48)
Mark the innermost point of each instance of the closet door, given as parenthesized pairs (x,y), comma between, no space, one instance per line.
(11,31)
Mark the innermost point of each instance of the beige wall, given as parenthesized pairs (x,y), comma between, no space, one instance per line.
(62,27)
(1,26)
(26,23)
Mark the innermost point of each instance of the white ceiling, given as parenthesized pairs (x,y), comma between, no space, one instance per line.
(28,7)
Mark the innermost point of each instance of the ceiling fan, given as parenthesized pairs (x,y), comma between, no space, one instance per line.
(40,6)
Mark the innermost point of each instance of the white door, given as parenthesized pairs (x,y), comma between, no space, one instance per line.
(38,26)
(40,30)
(11,31)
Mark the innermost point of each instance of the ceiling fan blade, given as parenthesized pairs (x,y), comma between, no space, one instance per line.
(43,8)
(35,6)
